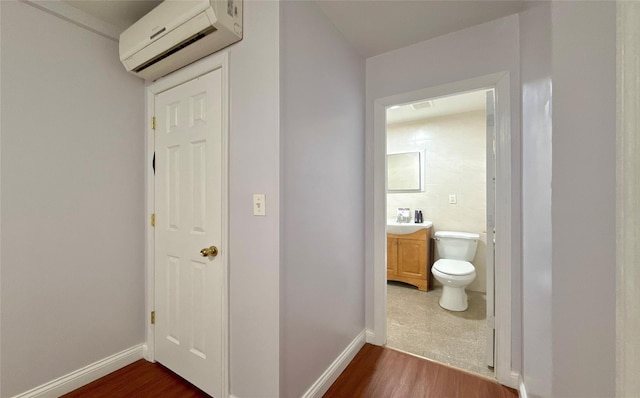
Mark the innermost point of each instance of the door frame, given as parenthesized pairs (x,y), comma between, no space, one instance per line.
(216,61)
(490,211)
(504,205)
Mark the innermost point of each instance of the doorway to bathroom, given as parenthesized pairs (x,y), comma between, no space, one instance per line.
(441,177)
(507,254)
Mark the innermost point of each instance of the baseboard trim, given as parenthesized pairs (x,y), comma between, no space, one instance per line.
(333,371)
(86,375)
(522,391)
(514,380)
(371,336)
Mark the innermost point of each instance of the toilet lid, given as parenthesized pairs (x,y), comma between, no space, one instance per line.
(454,267)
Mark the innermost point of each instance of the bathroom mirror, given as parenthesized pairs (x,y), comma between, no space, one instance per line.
(405,172)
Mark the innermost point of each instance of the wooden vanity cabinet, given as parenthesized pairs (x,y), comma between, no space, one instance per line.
(408,257)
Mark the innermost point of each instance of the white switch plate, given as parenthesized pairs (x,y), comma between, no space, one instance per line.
(259,204)
(453,199)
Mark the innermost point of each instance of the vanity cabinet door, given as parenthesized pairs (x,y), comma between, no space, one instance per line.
(392,256)
(412,258)
(408,258)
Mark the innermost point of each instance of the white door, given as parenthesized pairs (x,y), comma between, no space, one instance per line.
(189,285)
(491,225)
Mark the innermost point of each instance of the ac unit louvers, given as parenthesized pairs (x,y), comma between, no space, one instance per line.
(178,32)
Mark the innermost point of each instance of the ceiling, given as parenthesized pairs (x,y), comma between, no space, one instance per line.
(377,26)
(459,103)
(120,13)
(371,26)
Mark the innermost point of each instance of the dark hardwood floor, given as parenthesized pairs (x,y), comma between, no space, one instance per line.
(379,372)
(141,379)
(375,372)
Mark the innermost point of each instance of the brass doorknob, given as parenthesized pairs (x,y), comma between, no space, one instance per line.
(209,251)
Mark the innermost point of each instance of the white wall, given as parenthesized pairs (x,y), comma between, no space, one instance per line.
(535,52)
(254,259)
(569,199)
(455,163)
(322,188)
(478,51)
(72,199)
(583,198)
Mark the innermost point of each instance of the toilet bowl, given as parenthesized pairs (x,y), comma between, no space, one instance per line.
(454,270)
(455,276)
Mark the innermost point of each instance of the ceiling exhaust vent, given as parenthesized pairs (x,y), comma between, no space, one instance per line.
(421,105)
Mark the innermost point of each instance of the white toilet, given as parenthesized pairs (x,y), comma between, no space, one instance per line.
(454,270)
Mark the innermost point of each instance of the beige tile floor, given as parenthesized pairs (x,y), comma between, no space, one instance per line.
(417,324)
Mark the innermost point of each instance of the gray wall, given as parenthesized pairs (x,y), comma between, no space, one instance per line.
(72,214)
(583,198)
(535,53)
(254,263)
(322,188)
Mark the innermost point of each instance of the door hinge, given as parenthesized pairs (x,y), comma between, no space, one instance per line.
(153,122)
(153,220)
(153,317)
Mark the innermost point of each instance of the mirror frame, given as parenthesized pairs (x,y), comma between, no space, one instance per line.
(421,173)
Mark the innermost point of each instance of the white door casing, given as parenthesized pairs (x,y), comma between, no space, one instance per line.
(190,289)
(491,224)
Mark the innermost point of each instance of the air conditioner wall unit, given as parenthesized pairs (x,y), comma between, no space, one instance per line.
(177,33)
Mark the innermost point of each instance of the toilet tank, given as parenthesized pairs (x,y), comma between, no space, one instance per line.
(457,245)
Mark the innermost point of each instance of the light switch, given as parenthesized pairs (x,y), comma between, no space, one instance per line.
(453,199)
(259,204)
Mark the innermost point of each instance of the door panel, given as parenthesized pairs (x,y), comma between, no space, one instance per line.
(189,326)
(392,255)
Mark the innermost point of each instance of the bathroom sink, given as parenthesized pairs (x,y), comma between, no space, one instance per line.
(406,228)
